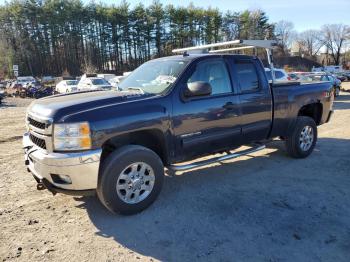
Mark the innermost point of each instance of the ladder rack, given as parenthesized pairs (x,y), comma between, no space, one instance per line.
(239,44)
(234,45)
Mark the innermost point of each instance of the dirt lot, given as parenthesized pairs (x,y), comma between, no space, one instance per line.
(263,208)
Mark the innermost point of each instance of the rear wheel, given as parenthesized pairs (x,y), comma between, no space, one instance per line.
(301,142)
(130,179)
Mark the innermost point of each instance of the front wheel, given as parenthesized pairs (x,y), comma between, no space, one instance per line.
(130,179)
(302,141)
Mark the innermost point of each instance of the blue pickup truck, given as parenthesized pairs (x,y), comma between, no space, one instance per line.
(169,110)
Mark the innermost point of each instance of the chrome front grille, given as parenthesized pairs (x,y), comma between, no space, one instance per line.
(40,131)
(35,123)
(38,141)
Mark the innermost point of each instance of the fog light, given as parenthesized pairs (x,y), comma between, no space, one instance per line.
(61,179)
(65,179)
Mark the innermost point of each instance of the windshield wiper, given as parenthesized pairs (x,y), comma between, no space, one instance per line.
(136,88)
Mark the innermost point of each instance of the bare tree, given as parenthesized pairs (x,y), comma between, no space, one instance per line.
(335,37)
(310,42)
(285,34)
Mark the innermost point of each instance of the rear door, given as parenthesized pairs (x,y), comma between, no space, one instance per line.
(255,97)
(206,124)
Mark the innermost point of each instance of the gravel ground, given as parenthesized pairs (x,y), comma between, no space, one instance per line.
(263,207)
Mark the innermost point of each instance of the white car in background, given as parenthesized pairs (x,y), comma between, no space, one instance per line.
(280,74)
(106,76)
(93,83)
(117,79)
(114,81)
(24,81)
(67,86)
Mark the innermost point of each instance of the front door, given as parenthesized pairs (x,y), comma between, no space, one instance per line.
(211,123)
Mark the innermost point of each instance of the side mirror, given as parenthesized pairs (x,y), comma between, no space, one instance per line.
(198,88)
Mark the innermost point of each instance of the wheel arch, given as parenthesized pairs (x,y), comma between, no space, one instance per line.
(313,110)
(152,139)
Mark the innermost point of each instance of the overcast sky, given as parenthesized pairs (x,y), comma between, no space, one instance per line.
(305,14)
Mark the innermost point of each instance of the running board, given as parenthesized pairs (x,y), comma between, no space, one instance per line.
(216,159)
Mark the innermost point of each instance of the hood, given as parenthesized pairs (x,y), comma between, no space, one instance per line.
(58,106)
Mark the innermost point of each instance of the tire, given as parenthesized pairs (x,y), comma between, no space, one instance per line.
(298,147)
(119,165)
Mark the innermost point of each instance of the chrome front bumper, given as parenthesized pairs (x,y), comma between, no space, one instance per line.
(82,168)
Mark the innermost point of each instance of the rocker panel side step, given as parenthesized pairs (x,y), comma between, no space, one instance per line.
(216,159)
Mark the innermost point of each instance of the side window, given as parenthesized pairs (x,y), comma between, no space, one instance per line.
(215,73)
(247,76)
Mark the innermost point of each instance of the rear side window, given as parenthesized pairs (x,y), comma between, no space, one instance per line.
(247,76)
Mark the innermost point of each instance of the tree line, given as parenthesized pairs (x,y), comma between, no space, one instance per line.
(68,37)
(55,37)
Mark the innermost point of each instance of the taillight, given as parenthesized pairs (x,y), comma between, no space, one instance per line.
(327,94)
(289,78)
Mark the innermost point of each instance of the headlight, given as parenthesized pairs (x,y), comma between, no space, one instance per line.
(71,136)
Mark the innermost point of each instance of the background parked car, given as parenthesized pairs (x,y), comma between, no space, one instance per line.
(48,80)
(28,89)
(328,77)
(280,74)
(340,76)
(24,80)
(93,83)
(106,76)
(116,80)
(67,86)
(347,75)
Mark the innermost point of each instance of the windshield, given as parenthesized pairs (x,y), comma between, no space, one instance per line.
(99,81)
(154,76)
(72,82)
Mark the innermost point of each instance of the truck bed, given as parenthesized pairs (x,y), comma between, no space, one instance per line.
(290,97)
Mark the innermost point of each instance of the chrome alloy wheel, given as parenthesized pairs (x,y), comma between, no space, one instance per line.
(135,183)
(306,138)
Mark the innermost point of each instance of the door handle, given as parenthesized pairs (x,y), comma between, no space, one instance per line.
(229,106)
